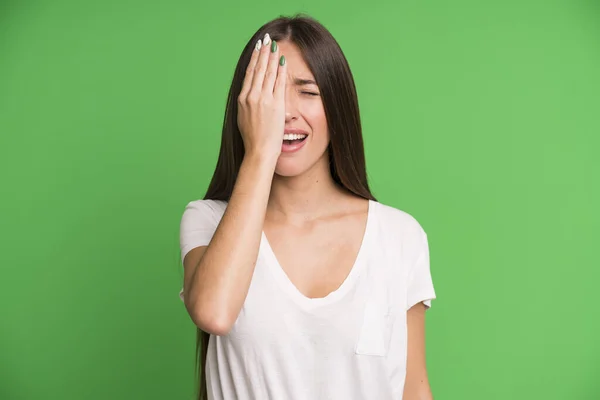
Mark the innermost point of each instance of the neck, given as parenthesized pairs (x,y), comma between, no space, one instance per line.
(304,197)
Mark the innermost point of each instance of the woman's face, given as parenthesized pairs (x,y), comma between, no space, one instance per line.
(304,113)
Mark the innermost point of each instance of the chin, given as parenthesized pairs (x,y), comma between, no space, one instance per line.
(295,166)
(289,168)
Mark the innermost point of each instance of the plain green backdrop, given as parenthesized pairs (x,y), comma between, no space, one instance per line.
(481,119)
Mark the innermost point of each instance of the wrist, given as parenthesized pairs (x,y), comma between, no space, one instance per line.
(261,160)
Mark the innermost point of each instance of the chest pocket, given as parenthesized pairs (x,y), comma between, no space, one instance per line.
(375,332)
(374,336)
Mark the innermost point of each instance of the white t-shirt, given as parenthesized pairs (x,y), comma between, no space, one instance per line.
(349,345)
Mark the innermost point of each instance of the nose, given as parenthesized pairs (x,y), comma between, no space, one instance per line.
(291,111)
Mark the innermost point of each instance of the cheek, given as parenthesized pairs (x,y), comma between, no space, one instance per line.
(315,116)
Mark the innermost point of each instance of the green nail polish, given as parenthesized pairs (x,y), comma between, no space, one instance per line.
(273,46)
(282,61)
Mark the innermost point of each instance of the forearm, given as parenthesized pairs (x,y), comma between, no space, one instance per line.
(417,390)
(222,277)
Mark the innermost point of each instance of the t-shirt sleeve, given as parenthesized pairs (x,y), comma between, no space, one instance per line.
(420,285)
(198,225)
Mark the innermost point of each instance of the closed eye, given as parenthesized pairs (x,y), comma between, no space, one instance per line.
(311,93)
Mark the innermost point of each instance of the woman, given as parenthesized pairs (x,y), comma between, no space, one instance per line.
(308,287)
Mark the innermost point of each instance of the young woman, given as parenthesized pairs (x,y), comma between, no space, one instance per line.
(307,287)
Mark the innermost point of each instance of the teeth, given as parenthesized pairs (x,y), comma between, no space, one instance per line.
(293,136)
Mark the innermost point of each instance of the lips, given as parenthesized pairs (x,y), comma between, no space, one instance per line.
(293,140)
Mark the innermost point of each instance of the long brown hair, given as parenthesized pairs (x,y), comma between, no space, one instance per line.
(330,68)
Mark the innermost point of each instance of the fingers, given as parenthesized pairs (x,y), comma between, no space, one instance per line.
(272,67)
(247,84)
(261,67)
(264,71)
(279,90)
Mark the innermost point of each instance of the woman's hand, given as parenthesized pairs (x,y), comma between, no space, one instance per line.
(261,103)
(217,276)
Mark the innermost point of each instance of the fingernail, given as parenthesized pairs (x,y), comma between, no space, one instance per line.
(273,47)
(267,39)
(282,61)
(258,45)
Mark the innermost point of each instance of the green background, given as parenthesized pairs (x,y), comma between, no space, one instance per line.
(481,119)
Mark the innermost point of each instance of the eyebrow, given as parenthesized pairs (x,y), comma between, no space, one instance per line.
(301,82)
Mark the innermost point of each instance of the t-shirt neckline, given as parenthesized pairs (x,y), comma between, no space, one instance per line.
(298,297)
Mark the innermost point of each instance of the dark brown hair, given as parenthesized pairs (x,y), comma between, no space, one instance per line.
(330,68)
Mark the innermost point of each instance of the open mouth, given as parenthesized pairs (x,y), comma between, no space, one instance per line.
(294,138)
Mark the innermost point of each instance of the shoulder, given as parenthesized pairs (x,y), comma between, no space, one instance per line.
(398,221)
(207,205)
(398,229)
(206,210)
(198,223)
